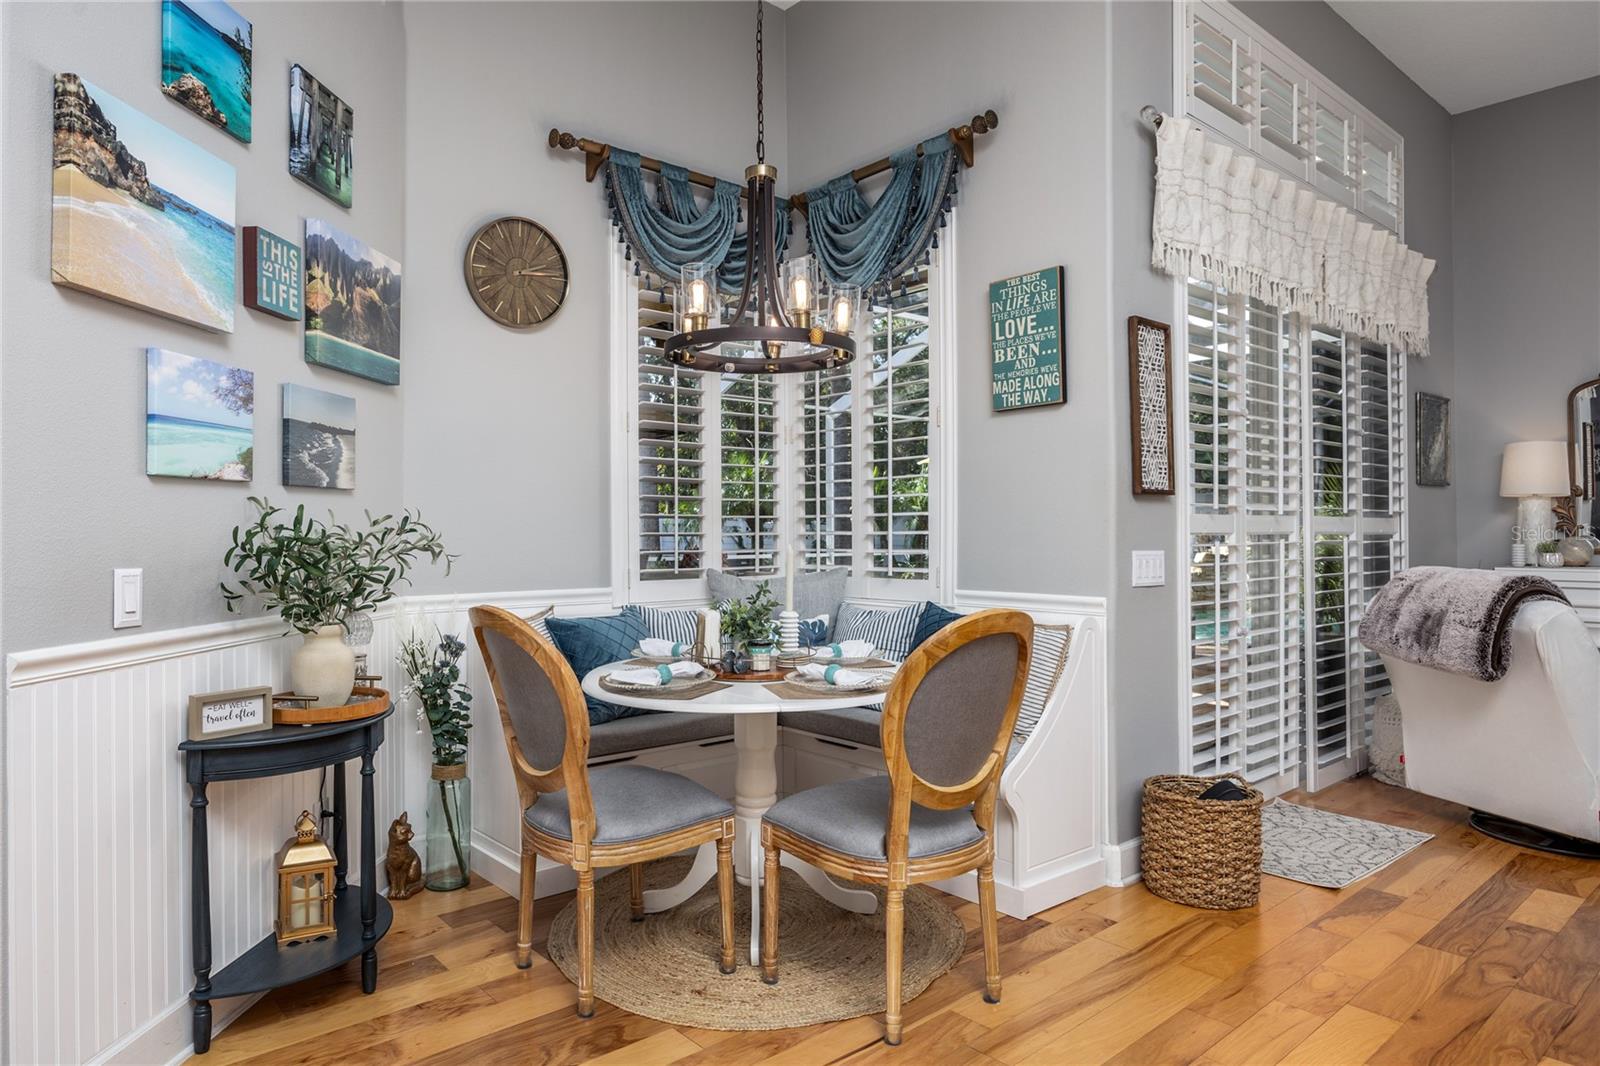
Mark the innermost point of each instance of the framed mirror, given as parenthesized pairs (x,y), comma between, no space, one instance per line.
(1583,452)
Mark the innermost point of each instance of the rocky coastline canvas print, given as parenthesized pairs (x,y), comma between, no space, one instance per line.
(206,53)
(321,132)
(199,418)
(139,215)
(319,438)
(352,305)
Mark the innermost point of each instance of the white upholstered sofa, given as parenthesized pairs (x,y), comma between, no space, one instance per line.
(1526,747)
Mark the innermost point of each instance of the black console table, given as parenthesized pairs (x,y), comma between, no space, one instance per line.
(359,925)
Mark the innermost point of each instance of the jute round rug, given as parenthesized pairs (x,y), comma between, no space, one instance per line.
(830,961)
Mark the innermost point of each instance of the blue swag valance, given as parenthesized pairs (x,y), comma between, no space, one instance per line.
(665,234)
(866,245)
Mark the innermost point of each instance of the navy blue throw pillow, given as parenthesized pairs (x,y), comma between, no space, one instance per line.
(591,642)
(933,619)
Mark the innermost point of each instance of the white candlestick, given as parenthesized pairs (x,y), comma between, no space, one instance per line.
(788,583)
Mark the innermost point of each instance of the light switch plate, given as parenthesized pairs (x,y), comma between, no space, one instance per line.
(127,598)
(1149,569)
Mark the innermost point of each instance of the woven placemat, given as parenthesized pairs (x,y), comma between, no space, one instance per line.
(830,961)
(788,690)
(687,692)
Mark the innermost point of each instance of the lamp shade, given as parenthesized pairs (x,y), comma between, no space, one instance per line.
(1534,468)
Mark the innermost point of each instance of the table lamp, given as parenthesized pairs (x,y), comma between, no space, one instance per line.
(1533,471)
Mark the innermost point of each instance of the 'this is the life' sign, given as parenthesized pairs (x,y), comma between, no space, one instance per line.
(271,273)
(1028,318)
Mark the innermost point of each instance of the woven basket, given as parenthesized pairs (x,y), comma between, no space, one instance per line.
(1201,853)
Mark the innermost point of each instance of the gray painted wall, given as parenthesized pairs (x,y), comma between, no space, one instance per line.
(77,501)
(507,433)
(1527,239)
(1031,508)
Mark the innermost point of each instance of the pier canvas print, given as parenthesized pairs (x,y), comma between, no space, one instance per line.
(321,129)
(139,215)
(352,303)
(319,438)
(199,418)
(206,50)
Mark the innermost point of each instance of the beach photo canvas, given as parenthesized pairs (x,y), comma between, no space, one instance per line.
(199,418)
(319,438)
(352,305)
(206,53)
(321,131)
(139,215)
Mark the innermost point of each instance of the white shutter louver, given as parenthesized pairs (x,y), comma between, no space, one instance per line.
(747,460)
(1283,116)
(1381,177)
(827,466)
(669,433)
(1215,662)
(899,414)
(1222,73)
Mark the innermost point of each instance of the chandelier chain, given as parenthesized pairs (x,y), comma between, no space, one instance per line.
(761,118)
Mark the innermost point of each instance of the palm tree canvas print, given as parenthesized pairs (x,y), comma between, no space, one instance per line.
(321,135)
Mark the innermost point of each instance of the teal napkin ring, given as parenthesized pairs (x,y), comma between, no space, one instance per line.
(665,671)
(831,672)
(838,651)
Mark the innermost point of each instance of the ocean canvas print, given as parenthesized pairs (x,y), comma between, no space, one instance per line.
(139,215)
(206,53)
(199,418)
(321,132)
(319,438)
(352,303)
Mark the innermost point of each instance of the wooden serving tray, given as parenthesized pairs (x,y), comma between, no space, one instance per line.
(751,675)
(364,702)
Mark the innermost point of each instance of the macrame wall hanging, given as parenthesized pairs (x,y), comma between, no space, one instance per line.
(855,242)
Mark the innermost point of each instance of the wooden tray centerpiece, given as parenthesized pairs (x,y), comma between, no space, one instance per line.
(364,702)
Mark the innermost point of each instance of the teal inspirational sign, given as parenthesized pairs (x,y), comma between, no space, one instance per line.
(272,273)
(1027,320)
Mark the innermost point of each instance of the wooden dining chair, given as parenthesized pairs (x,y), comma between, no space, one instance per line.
(620,815)
(947,723)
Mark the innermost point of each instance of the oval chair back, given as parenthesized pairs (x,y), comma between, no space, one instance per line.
(948,718)
(542,711)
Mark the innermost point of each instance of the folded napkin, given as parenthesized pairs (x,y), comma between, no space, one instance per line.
(849,649)
(844,677)
(656,648)
(656,675)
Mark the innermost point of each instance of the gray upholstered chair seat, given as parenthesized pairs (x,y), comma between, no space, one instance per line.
(852,817)
(631,803)
(655,730)
(858,725)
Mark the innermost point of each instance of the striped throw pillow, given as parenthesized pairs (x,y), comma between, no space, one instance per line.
(677,626)
(540,626)
(891,631)
(1050,645)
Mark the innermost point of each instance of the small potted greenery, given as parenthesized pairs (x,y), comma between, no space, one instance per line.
(1549,553)
(444,705)
(318,577)
(748,629)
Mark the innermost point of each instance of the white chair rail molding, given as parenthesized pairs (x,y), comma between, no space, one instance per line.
(663,532)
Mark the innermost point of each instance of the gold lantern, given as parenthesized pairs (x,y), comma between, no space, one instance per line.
(305,885)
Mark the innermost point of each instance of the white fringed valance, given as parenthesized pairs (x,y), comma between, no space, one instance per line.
(1224,217)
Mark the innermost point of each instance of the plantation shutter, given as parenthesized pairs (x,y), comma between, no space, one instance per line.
(827,466)
(899,419)
(1333,144)
(747,461)
(1381,177)
(669,435)
(1283,118)
(1222,75)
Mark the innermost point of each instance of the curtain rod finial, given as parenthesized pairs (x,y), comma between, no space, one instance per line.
(1150,116)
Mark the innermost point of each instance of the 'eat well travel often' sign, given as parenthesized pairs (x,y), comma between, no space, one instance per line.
(1028,318)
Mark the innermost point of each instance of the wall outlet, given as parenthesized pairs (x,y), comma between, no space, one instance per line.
(127,598)
(1149,569)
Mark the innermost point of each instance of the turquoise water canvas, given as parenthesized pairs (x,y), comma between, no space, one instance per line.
(321,137)
(352,303)
(199,418)
(139,215)
(207,50)
(319,438)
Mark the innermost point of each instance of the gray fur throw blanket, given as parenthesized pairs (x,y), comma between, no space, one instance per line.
(1451,618)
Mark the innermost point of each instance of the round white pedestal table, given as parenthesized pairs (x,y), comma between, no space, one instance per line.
(755,709)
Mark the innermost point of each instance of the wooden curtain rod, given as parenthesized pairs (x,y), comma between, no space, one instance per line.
(595,153)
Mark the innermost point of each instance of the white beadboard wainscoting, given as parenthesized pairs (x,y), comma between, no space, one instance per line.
(97,822)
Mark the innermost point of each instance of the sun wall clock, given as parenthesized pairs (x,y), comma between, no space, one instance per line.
(516,272)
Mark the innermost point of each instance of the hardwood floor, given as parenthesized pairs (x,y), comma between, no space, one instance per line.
(1466,951)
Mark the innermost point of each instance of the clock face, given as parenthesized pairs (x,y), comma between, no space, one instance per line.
(516,272)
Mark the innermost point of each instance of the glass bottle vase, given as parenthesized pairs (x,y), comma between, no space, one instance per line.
(448,847)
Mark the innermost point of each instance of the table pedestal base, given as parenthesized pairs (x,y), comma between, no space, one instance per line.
(755,787)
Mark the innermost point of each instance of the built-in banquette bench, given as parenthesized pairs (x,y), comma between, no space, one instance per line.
(1050,839)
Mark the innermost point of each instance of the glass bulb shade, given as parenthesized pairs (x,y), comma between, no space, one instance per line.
(844,308)
(696,300)
(800,289)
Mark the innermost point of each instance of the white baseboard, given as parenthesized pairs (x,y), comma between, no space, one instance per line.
(1122,862)
(1024,901)
(169,1037)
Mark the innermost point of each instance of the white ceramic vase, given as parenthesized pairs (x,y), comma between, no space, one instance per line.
(324,667)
